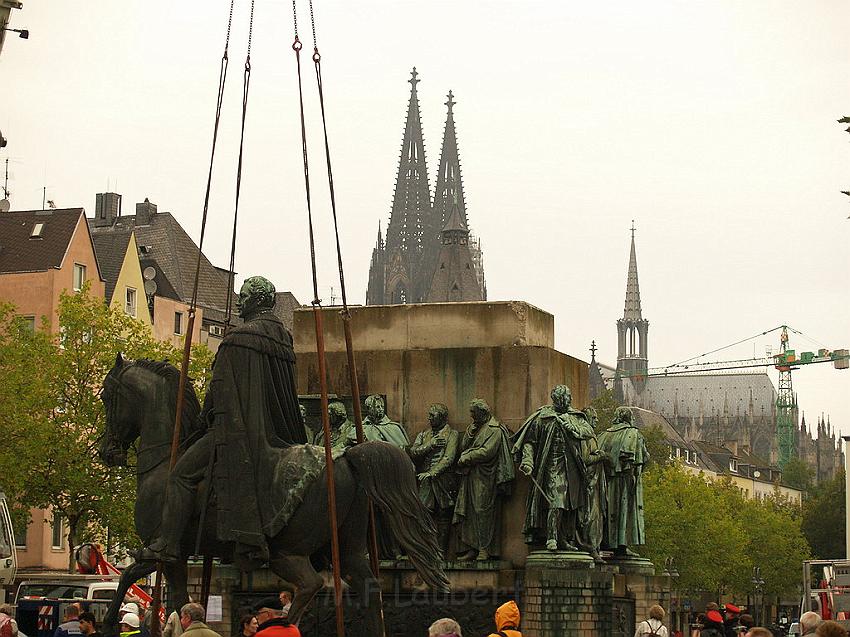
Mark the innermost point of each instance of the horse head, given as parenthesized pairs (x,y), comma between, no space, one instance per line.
(122,427)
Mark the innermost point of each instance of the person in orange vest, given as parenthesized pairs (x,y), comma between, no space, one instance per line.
(507,621)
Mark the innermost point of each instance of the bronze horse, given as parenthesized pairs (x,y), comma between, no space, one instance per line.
(140,401)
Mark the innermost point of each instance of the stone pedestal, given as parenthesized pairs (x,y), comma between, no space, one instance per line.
(566,595)
(636,589)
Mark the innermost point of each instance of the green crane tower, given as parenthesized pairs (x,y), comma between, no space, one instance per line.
(786,403)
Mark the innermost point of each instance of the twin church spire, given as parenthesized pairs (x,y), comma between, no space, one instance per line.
(417,261)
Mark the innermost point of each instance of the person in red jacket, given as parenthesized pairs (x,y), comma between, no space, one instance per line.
(507,621)
(269,613)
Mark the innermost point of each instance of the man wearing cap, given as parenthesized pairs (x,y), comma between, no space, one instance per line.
(269,613)
(712,625)
(732,621)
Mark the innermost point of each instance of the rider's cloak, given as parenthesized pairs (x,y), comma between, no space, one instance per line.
(253,409)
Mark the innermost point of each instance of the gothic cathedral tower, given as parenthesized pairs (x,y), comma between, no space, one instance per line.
(632,329)
(406,261)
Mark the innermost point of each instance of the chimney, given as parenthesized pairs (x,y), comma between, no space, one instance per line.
(145,211)
(732,445)
(107,209)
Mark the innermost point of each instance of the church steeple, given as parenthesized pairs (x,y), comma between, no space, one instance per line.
(632,310)
(448,193)
(454,279)
(632,329)
(403,281)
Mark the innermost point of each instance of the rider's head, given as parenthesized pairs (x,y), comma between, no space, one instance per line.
(561,398)
(256,295)
(375,407)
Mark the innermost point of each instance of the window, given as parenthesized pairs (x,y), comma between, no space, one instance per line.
(733,465)
(57,540)
(37,231)
(130,302)
(216,330)
(178,322)
(79,276)
(28,322)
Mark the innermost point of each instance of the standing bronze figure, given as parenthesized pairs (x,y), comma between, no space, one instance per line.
(486,471)
(435,452)
(343,433)
(625,449)
(548,450)
(377,426)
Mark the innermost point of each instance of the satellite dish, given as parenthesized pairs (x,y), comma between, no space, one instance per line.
(5,206)
(150,286)
(149,273)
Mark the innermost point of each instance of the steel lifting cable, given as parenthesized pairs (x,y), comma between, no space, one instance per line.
(246,81)
(190,323)
(346,314)
(320,350)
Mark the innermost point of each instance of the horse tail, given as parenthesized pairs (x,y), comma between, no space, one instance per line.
(386,474)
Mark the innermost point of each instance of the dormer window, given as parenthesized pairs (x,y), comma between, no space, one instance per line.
(733,465)
(37,231)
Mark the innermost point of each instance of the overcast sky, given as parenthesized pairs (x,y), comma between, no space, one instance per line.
(711,123)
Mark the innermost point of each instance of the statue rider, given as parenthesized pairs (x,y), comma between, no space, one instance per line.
(251,413)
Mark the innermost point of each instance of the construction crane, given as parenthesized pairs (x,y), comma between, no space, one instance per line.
(785,362)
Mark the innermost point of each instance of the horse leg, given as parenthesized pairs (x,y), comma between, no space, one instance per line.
(176,573)
(355,566)
(358,574)
(133,572)
(297,570)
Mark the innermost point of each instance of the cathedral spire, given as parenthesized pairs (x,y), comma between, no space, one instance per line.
(411,201)
(632,309)
(402,279)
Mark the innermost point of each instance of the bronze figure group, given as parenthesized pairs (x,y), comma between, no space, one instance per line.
(586,489)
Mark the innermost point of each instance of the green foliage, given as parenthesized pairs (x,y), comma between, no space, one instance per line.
(605,406)
(824,519)
(657,446)
(716,536)
(798,474)
(53,414)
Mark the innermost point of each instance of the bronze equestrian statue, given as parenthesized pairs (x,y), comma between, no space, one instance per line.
(246,440)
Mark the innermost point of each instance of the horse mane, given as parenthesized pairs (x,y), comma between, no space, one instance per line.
(191,406)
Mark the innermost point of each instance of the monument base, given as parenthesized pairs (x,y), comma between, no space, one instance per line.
(566,595)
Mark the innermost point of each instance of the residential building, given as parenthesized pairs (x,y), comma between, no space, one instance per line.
(44,253)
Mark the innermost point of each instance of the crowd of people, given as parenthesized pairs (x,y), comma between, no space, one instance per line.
(729,621)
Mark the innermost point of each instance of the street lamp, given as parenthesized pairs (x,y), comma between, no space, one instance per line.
(758,595)
(671,573)
(24,34)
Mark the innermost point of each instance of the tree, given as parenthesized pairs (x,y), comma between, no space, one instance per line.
(824,519)
(798,474)
(657,446)
(605,406)
(66,418)
(716,535)
(686,519)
